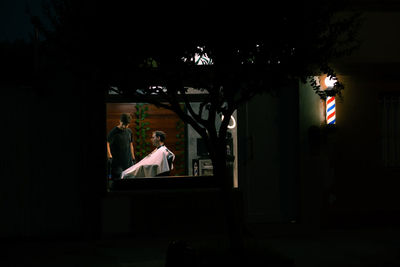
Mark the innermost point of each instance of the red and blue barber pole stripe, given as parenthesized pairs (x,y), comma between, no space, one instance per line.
(330,110)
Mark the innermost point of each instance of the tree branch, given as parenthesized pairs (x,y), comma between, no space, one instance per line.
(197,117)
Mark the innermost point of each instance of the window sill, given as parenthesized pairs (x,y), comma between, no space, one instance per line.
(166,183)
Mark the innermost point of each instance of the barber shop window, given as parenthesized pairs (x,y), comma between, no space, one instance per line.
(145,119)
(180,154)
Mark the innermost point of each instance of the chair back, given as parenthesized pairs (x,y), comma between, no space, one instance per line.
(170,159)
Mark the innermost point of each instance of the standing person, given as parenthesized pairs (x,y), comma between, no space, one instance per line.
(120,147)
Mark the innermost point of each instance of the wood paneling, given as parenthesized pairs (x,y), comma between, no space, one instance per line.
(158,118)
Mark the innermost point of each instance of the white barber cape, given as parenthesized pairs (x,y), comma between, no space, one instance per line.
(153,164)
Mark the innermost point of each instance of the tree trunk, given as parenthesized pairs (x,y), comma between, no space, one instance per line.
(231,203)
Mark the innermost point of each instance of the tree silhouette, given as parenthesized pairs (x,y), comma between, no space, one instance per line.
(152,53)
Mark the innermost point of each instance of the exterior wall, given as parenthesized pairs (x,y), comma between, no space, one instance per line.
(268,157)
(362,186)
(355,189)
(39,167)
(378,35)
(314,170)
(163,213)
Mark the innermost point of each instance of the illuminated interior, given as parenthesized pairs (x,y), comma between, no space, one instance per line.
(191,155)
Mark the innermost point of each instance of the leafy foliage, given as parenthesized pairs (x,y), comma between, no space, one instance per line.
(143,146)
(151,51)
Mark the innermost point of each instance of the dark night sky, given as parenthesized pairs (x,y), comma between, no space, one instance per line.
(14,20)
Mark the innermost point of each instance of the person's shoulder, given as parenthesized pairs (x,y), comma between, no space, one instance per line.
(164,148)
(167,150)
(129,132)
(114,129)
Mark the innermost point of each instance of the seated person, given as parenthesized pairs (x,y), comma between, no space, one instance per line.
(157,163)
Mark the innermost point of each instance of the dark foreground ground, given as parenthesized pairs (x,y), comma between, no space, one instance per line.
(350,247)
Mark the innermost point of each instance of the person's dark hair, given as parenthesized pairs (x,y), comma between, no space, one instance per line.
(160,134)
(125,118)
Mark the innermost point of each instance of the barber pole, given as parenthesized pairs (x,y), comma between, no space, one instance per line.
(330,110)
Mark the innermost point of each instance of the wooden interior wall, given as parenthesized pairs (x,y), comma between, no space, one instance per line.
(159,119)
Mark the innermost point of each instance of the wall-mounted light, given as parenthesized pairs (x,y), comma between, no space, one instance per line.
(326,82)
(230,126)
(330,82)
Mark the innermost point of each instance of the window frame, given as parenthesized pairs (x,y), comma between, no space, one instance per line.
(160,182)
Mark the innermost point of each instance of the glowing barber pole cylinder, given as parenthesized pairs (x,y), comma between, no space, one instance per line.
(330,110)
